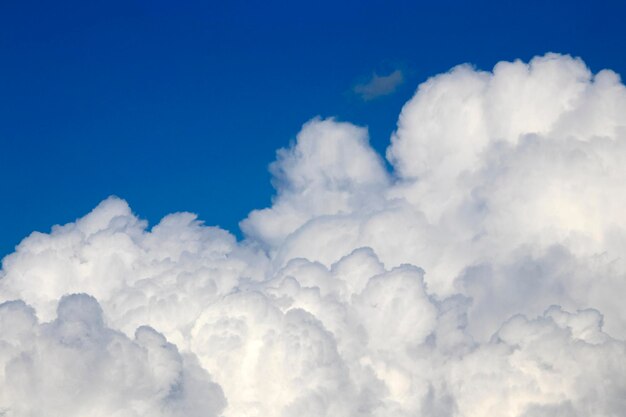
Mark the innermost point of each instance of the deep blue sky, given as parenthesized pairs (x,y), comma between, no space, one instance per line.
(181,105)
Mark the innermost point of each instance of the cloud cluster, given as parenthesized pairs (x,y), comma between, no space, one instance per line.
(482,276)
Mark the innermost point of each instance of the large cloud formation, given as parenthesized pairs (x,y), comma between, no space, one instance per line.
(483,276)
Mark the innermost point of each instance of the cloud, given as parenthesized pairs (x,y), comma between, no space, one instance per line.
(379,85)
(75,365)
(482,276)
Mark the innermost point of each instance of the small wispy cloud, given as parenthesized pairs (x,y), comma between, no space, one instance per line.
(379,85)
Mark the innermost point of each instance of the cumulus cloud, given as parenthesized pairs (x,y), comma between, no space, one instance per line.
(76,366)
(379,85)
(482,276)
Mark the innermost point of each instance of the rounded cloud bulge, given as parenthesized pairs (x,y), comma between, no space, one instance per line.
(482,276)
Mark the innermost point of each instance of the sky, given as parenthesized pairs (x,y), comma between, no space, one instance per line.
(305,210)
(175,106)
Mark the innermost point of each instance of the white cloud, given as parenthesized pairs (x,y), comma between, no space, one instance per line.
(379,85)
(76,366)
(483,276)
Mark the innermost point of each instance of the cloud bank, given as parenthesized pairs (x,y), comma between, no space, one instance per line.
(483,276)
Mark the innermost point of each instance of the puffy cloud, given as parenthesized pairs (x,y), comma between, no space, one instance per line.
(330,169)
(482,276)
(75,366)
(486,189)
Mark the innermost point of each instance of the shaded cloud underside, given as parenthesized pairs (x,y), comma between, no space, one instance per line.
(482,277)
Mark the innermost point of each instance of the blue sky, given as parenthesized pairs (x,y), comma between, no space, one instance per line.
(181,105)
